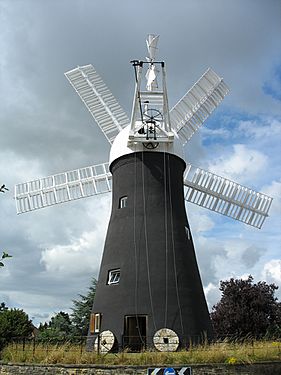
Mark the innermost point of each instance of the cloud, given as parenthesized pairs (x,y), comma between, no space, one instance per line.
(211,255)
(272,86)
(252,255)
(243,164)
(265,129)
(212,294)
(200,220)
(80,256)
(274,190)
(223,133)
(271,272)
(45,128)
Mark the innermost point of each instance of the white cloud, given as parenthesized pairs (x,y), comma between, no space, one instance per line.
(271,272)
(270,127)
(274,191)
(200,221)
(243,164)
(218,132)
(212,294)
(81,255)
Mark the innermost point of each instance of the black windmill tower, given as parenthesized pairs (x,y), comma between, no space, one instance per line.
(149,291)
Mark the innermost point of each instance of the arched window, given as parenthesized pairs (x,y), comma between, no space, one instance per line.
(187,233)
(123,202)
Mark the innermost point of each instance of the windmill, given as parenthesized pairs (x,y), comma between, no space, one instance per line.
(149,291)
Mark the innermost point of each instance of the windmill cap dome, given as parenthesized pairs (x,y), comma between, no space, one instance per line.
(120,146)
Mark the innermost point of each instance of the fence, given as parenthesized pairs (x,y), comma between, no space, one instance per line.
(103,344)
(106,342)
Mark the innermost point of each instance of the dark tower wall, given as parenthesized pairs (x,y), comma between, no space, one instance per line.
(149,240)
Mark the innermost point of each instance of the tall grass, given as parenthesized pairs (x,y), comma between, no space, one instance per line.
(224,352)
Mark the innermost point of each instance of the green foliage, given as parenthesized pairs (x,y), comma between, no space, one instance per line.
(247,309)
(3,307)
(82,309)
(63,327)
(3,256)
(14,323)
(58,329)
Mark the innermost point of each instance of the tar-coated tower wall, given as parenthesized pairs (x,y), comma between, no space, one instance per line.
(150,242)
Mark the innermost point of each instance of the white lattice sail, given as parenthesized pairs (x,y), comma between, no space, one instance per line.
(225,196)
(99,100)
(62,187)
(197,104)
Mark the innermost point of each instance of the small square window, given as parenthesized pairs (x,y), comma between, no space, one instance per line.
(113,277)
(123,202)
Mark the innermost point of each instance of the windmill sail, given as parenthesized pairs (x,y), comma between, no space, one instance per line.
(225,196)
(197,104)
(62,187)
(102,105)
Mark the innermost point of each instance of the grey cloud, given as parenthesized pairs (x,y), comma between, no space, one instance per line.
(45,128)
(209,253)
(252,255)
(55,126)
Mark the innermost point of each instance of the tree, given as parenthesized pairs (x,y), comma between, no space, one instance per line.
(14,323)
(62,326)
(61,322)
(3,307)
(246,308)
(3,188)
(59,328)
(3,256)
(82,309)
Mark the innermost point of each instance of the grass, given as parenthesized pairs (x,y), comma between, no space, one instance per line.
(230,353)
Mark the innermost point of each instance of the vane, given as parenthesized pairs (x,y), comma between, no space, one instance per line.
(151,74)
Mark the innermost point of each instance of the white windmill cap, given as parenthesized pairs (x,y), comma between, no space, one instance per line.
(120,146)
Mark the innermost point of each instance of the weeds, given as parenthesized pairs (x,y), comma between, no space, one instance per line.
(224,352)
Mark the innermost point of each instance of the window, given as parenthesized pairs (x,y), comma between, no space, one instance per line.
(95,323)
(113,276)
(187,233)
(123,202)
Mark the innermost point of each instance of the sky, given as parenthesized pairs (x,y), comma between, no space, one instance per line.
(45,129)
